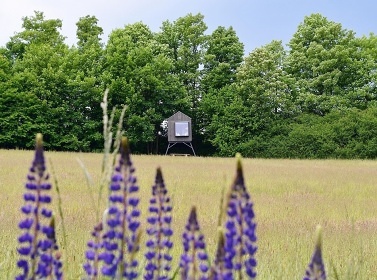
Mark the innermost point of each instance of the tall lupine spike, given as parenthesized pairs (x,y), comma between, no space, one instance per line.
(159,231)
(240,237)
(316,268)
(218,269)
(92,254)
(122,235)
(37,240)
(56,262)
(194,260)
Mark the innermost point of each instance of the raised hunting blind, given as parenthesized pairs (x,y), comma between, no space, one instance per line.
(179,131)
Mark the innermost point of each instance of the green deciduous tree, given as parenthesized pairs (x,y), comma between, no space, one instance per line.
(187,44)
(36,30)
(40,73)
(262,94)
(328,65)
(266,87)
(140,74)
(222,58)
(85,65)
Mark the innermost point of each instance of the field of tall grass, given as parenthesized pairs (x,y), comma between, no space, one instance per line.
(291,197)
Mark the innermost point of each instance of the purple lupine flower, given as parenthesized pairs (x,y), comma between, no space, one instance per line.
(56,260)
(92,253)
(194,260)
(122,235)
(218,269)
(316,268)
(240,228)
(37,243)
(159,230)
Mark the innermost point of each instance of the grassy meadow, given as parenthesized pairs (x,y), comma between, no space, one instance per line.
(290,198)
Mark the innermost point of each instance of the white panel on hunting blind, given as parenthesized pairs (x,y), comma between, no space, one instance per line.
(181,129)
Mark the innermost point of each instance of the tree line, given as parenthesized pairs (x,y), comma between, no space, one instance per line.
(314,98)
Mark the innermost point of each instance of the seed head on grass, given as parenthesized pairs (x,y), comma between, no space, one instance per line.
(39,257)
(316,268)
(159,231)
(194,260)
(240,237)
(122,236)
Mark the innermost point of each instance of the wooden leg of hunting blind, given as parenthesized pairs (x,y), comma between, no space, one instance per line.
(188,144)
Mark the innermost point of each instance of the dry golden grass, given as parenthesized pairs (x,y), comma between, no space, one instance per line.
(290,198)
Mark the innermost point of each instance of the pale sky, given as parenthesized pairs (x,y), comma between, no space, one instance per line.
(256,22)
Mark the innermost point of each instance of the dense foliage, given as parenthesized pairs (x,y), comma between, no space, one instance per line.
(315,98)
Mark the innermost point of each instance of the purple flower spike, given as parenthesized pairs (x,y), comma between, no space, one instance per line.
(194,260)
(121,240)
(219,270)
(159,230)
(92,253)
(316,268)
(38,248)
(240,237)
